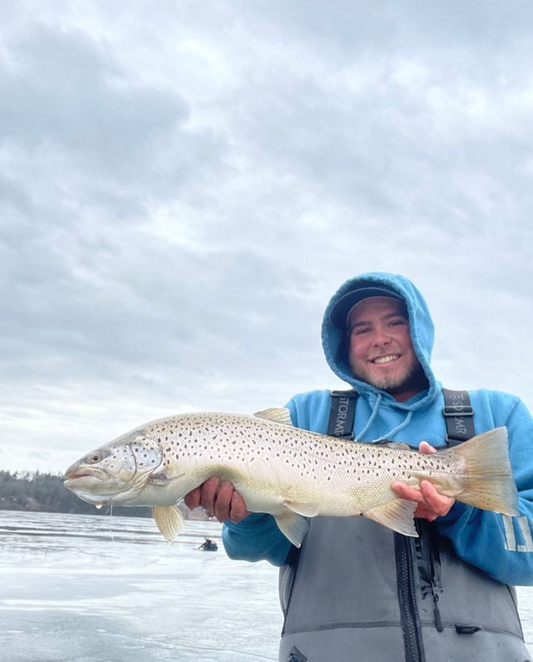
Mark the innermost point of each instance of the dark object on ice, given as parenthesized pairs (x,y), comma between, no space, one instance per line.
(208,546)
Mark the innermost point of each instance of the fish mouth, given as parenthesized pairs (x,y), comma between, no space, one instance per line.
(85,480)
(78,474)
(98,487)
(93,488)
(73,473)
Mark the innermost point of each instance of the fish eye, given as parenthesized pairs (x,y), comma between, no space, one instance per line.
(95,457)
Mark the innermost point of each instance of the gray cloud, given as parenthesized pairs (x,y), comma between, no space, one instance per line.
(181,194)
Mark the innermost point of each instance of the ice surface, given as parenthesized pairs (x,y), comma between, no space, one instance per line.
(78,588)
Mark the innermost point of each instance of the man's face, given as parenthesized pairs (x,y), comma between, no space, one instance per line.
(380,349)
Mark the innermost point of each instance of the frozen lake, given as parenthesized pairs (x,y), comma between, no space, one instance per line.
(79,588)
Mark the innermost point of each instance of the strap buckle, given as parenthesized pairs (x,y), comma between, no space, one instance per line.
(458,410)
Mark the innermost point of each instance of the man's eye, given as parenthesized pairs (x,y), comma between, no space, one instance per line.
(398,322)
(359,332)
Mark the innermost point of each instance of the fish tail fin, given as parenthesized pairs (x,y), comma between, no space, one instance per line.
(489,478)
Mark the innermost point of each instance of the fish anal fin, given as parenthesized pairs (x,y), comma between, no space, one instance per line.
(305,509)
(293,526)
(397,515)
(276,414)
(169,521)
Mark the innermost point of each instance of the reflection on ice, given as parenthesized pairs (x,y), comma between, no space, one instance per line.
(71,590)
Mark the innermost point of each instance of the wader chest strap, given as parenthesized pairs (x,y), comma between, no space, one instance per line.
(342,414)
(459,417)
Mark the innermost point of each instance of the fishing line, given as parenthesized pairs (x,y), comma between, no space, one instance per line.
(110,528)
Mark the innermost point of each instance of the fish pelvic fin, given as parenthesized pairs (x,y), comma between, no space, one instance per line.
(169,521)
(489,478)
(305,509)
(293,526)
(397,515)
(277,414)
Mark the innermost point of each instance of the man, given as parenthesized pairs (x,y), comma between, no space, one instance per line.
(355,590)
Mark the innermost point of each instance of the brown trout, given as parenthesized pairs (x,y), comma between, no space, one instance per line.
(287,472)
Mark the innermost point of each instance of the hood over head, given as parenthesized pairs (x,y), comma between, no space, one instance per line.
(356,289)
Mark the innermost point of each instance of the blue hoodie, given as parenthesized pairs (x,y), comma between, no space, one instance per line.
(499,545)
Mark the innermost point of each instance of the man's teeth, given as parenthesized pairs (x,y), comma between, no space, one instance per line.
(386,359)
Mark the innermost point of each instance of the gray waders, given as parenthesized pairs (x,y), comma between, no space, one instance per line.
(357,592)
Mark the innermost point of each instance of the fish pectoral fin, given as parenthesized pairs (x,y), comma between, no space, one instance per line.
(305,509)
(163,479)
(293,526)
(397,515)
(169,521)
(277,414)
(158,479)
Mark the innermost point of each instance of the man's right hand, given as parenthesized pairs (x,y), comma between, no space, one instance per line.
(219,500)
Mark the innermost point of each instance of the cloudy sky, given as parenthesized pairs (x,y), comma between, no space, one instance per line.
(183,186)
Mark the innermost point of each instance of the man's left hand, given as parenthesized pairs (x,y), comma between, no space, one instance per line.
(431,503)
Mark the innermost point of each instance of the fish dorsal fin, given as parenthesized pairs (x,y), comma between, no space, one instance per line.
(169,521)
(293,526)
(397,515)
(277,414)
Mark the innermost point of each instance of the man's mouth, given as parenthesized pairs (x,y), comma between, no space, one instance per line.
(388,358)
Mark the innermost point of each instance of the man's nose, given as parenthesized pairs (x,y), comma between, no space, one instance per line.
(381,337)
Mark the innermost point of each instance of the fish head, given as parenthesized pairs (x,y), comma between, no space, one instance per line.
(116,473)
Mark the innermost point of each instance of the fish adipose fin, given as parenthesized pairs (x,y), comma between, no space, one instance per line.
(397,515)
(293,526)
(169,521)
(489,478)
(277,414)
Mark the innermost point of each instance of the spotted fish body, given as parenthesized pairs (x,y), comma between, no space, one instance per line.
(287,472)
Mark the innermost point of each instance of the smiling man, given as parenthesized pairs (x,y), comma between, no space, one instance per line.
(355,590)
(380,349)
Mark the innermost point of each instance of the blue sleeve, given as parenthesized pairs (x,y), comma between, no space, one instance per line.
(257,537)
(500,545)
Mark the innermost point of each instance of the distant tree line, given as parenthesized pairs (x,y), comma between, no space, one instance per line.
(41,492)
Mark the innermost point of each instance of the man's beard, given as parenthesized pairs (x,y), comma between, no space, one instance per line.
(414,378)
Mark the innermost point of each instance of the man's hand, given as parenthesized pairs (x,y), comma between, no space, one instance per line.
(431,503)
(219,500)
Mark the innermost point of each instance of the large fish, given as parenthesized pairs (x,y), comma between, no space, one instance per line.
(287,472)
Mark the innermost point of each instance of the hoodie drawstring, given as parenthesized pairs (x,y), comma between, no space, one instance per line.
(371,419)
(395,430)
(389,434)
